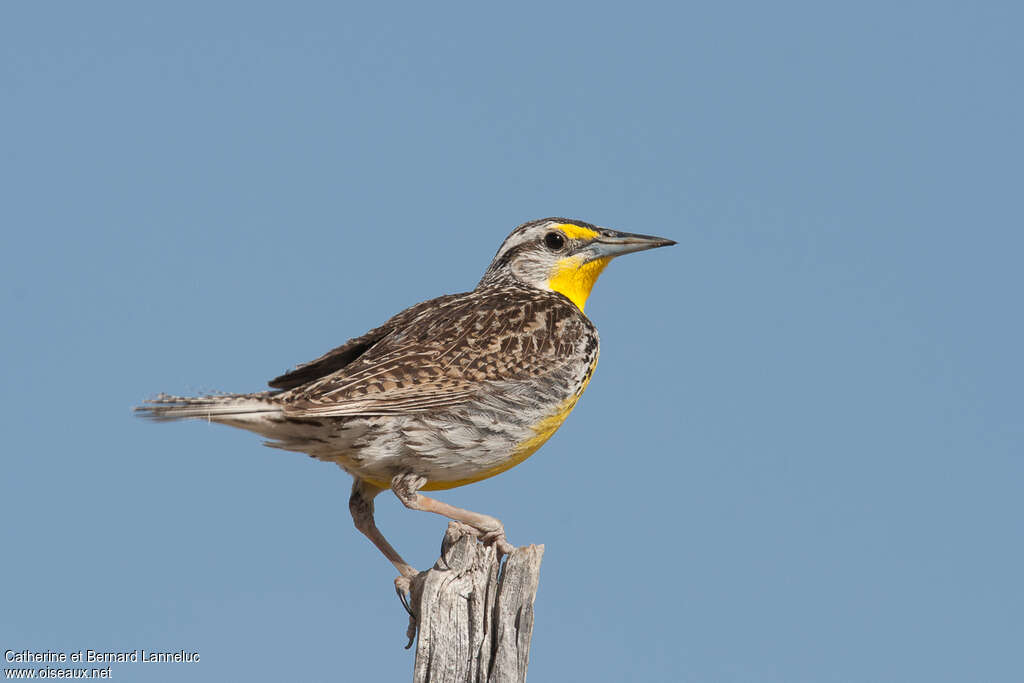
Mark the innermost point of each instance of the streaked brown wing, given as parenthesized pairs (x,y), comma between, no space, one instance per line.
(447,354)
(337,358)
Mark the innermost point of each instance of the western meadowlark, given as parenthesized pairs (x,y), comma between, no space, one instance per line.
(447,392)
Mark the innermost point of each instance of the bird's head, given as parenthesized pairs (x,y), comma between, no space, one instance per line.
(562,255)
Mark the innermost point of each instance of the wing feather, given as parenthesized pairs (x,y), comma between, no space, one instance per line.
(339,357)
(447,354)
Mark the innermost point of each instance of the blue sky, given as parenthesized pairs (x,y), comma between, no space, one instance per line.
(801,455)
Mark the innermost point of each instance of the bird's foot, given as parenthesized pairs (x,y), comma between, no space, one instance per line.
(493,534)
(403,586)
(496,537)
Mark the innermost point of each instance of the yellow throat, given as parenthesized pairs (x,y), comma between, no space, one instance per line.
(575,279)
(571,276)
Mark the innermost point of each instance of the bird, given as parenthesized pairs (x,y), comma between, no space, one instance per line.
(447,392)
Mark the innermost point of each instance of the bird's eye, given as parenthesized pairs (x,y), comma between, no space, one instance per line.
(554,241)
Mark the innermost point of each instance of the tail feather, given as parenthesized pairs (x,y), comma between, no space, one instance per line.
(215,408)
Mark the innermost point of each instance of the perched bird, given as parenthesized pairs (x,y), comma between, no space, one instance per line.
(447,392)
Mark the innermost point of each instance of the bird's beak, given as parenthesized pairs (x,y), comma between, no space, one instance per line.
(611,243)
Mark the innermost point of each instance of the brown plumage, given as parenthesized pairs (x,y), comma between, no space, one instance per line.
(445,352)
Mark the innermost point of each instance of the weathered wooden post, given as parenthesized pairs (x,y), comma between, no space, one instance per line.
(475,614)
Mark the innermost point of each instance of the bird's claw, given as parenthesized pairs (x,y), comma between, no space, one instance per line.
(403,586)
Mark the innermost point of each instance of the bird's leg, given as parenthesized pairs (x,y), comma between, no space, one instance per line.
(360,504)
(406,487)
